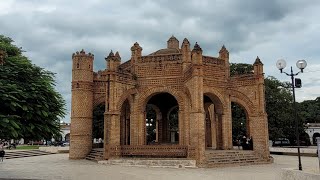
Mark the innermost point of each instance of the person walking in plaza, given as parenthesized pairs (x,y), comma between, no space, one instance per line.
(2,153)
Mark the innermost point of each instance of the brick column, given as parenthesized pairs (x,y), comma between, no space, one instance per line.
(197,115)
(227,127)
(112,133)
(260,135)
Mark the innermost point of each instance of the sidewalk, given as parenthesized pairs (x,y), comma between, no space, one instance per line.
(304,151)
(58,166)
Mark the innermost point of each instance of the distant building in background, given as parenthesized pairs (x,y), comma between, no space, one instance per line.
(313,130)
(65,131)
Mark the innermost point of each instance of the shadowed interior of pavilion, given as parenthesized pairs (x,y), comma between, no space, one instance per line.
(161,130)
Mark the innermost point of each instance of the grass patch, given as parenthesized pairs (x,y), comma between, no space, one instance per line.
(28,147)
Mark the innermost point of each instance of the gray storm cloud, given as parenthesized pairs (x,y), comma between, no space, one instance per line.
(50,31)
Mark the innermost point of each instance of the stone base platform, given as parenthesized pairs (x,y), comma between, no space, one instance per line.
(139,162)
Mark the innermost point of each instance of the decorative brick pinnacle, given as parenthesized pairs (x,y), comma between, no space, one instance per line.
(258,61)
(197,47)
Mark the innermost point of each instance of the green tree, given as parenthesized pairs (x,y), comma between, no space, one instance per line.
(239,121)
(309,111)
(151,126)
(30,106)
(240,68)
(279,109)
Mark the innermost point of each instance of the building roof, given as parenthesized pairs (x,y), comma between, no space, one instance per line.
(166,51)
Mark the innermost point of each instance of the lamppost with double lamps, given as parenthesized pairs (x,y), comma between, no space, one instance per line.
(301,64)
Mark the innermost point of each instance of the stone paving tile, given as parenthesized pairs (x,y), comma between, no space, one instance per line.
(58,166)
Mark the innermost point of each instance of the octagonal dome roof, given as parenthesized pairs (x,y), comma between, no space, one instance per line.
(166,51)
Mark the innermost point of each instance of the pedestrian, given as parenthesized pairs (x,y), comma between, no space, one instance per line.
(244,143)
(250,143)
(238,143)
(2,153)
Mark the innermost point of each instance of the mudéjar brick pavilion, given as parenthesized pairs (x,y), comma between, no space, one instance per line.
(189,92)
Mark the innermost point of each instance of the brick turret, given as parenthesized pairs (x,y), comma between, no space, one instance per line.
(186,53)
(81,105)
(173,43)
(136,52)
(258,66)
(224,53)
(196,54)
(113,61)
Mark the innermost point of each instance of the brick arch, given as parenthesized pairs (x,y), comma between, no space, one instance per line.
(215,92)
(126,96)
(188,96)
(99,100)
(146,95)
(242,100)
(157,110)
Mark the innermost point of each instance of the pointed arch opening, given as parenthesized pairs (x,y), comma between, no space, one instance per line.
(162,119)
(213,121)
(98,125)
(241,136)
(125,123)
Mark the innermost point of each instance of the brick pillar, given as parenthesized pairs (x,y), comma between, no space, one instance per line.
(227,127)
(138,126)
(197,135)
(212,116)
(186,132)
(197,116)
(112,116)
(112,133)
(106,143)
(259,133)
(181,126)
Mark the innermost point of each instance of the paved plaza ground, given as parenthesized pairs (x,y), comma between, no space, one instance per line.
(58,166)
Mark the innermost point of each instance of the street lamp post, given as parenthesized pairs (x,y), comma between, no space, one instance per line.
(301,64)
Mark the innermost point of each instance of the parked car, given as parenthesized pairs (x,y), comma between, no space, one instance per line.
(281,142)
(303,142)
(57,143)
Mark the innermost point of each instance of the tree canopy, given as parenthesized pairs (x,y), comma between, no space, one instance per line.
(30,106)
(240,68)
(309,111)
(98,121)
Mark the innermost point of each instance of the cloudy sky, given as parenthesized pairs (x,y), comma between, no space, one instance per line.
(51,30)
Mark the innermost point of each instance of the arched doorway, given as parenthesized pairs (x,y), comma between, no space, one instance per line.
(67,137)
(240,127)
(98,125)
(213,121)
(162,119)
(125,123)
(314,138)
